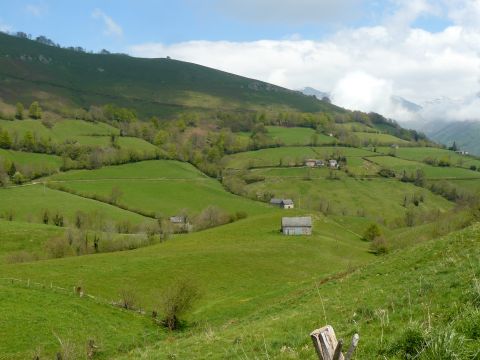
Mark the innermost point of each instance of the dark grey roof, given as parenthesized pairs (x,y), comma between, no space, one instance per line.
(276,201)
(287,202)
(305,221)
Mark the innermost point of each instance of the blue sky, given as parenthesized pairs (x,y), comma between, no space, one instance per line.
(72,23)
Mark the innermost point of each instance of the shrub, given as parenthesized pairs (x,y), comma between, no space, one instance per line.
(241,215)
(444,344)
(379,246)
(371,232)
(410,343)
(387,173)
(128,298)
(58,219)
(58,248)
(20,257)
(178,299)
(210,217)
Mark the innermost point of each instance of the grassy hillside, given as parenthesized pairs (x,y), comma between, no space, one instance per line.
(158,187)
(75,132)
(62,322)
(151,86)
(435,154)
(288,156)
(28,203)
(18,236)
(239,267)
(417,303)
(379,200)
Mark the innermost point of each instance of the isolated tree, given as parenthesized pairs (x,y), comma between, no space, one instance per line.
(12,169)
(371,232)
(19,111)
(178,299)
(28,141)
(5,140)
(454,146)
(35,111)
(45,217)
(115,195)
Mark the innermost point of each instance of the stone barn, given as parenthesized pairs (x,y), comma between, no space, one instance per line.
(297,225)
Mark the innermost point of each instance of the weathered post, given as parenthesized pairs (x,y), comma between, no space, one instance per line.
(328,347)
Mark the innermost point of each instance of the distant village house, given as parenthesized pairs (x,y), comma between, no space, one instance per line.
(297,225)
(282,203)
(314,163)
(462,152)
(181,223)
(333,164)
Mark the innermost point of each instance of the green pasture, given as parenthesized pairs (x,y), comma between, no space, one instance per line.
(240,267)
(34,160)
(154,169)
(289,136)
(377,199)
(418,302)
(36,320)
(431,172)
(288,156)
(22,236)
(28,203)
(422,153)
(375,138)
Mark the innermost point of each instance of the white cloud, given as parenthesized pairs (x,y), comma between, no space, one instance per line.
(362,67)
(289,11)
(37,10)
(5,27)
(111,27)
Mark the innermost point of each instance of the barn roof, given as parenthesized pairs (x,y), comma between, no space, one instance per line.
(276,201)
(305,221)
(287,202)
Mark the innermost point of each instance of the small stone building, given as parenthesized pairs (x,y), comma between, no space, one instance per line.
(283,203)
(297,225)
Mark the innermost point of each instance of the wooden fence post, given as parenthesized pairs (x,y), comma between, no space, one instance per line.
(328,347)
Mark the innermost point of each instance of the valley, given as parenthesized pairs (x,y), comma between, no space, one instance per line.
(116,203)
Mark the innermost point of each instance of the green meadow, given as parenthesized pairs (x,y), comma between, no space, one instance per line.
(29,202)
(96,134)
(377,199)
(298,136)
(159,187)
(423,153)
(431,172)
(288,156)
(23,236)
(36,161)
(381,139)
(434,315)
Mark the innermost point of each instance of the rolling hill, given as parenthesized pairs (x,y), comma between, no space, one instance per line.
(63,78)
(90,243)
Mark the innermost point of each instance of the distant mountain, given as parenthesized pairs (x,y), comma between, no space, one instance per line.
(406,104)
(314,92)
(466,134)
(64,78)
(446,120)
